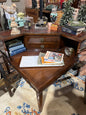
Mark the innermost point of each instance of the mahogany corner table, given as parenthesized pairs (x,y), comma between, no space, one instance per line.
(36,41)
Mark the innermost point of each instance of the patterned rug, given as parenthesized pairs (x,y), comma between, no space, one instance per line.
(60,98)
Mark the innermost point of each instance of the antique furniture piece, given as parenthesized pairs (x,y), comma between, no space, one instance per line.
(20,22)
(39,12)
(32,13)
(35,13)
(36,40)
(9,75)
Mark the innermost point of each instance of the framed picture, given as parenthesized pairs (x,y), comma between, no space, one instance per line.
(15,0)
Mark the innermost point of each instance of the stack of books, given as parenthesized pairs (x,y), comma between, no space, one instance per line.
(15,47)
(51,58)
(75,30)
(74,27)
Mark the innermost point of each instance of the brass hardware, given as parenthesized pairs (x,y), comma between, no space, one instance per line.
(42,39)
(42,46)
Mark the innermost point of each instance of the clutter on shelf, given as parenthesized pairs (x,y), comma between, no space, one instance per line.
(15,46)
(20,15)
(11,14)
(53,14)
(28,22)
(74,27)
(51,58)
(14,27)
(42,23)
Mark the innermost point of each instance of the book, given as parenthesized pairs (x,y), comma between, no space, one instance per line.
(32,61)
(39,61)
(51,63)
(53,57)
(42,62)
(75,28)
(17,51)
(16,47)
(67,30)
(14,43)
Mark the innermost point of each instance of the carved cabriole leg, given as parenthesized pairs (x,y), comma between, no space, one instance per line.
(39,99)
(85,92)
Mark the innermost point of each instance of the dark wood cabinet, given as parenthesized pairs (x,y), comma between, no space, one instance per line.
(35,13)
(42,43)
(32,13)
(42,40)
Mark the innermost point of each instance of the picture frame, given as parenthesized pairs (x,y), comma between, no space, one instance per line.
(15,0)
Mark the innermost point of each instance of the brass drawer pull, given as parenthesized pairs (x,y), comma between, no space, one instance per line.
(42,46)
(42,39)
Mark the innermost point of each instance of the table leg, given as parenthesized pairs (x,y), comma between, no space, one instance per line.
(39,99)
(85,92)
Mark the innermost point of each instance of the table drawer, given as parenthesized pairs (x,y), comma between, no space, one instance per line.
(44,42)
(39,40)
(44,45)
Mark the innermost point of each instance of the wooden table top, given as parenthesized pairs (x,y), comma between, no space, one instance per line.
(6,35)
(41,77)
